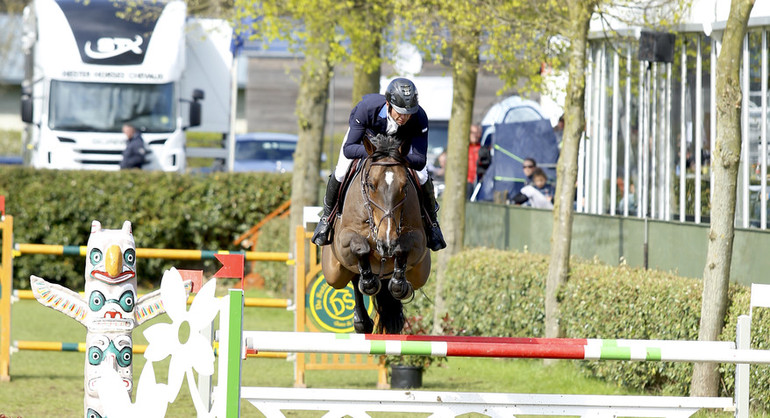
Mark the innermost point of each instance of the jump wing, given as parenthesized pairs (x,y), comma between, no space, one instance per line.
(59,298)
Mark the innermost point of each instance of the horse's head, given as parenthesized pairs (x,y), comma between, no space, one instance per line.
(387,191)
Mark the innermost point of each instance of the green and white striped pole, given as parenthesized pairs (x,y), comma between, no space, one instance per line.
(575,349)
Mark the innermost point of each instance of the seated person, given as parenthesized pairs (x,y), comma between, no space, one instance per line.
(538,194)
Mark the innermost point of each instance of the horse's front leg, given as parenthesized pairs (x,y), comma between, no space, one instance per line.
(399,287)
(368,284)
(362,323)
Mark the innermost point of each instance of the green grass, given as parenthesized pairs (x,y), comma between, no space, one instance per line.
(51,383)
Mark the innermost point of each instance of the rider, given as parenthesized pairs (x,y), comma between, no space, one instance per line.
(396,113)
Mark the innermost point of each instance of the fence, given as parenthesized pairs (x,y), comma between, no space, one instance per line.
(338,402)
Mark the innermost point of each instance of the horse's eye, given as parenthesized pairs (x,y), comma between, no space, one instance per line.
(370,185)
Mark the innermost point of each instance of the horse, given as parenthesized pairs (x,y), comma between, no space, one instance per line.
(379,236)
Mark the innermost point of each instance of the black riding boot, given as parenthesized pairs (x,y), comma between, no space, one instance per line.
(322,235)
(432,230)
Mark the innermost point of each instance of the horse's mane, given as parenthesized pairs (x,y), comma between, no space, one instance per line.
(387,146)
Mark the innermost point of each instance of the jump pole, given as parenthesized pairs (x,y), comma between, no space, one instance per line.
(275,399)
(166,254)
(6,284)
(592,349)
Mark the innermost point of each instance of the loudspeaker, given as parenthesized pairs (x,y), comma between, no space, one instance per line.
(656,47)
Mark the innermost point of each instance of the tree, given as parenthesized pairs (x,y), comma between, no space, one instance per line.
(365,28)
(576,30)
(726,159)
(462,39)
(465,65)
(312,26)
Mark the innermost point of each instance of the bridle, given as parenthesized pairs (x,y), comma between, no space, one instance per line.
(368,202)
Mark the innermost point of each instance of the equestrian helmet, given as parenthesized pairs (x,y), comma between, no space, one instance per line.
(402,96)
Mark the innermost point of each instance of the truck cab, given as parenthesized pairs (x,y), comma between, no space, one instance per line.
(92,66)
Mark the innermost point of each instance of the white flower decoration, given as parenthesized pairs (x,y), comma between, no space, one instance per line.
(151,399)
(163,339)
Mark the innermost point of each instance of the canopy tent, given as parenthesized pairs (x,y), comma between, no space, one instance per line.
(511,144)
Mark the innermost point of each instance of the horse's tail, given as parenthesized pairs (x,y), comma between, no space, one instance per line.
(390,312)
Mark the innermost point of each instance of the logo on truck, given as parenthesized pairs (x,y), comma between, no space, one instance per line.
(112,47)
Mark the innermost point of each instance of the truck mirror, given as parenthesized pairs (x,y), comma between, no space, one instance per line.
(195,114)
(26,107)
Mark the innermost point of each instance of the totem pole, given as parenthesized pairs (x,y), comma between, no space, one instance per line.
(109,309)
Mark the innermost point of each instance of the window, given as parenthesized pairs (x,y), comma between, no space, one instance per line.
(104,107)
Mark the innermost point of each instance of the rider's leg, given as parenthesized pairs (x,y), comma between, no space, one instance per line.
(432,229)
(322,234)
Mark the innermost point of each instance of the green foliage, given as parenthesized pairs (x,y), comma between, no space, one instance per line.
(500,293)
(274,237)
(167,210)
(607,302)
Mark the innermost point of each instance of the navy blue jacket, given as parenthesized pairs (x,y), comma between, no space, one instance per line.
(371,116)
(134,154)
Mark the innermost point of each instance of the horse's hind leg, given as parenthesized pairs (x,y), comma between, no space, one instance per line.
(362,323)
(398,286)
(391,314)
(368,284)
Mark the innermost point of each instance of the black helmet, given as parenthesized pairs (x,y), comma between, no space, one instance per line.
(402,96)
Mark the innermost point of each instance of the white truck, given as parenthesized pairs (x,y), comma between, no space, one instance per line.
(91,66)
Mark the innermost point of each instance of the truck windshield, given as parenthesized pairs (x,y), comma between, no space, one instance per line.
(104,107)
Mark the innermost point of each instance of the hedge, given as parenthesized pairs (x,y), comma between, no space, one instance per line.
(501,293)
(167,210)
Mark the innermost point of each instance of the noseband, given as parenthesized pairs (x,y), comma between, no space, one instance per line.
(368,202)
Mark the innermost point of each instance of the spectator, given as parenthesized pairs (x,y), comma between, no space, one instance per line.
(473,157)
(539,194)
(631,200)
(483,162)
(559,130)
(135,153)
(439,168)
(529,165)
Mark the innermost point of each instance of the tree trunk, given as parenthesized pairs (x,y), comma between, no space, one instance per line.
(311,119)
(566,168)
(364,82)
(464,74)
(366,75)
(366,24)
(716,274)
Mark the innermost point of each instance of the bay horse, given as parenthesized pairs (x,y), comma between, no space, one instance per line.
(380,236)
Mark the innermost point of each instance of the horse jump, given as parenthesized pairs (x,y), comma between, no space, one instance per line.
(358,402)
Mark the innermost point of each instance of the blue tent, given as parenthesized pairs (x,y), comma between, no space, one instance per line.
(512,143)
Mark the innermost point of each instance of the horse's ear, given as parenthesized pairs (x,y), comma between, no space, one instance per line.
(405,147)
(368,145)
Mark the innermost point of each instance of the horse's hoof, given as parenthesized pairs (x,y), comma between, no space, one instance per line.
(362,325)
(400,289)
(369,286)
